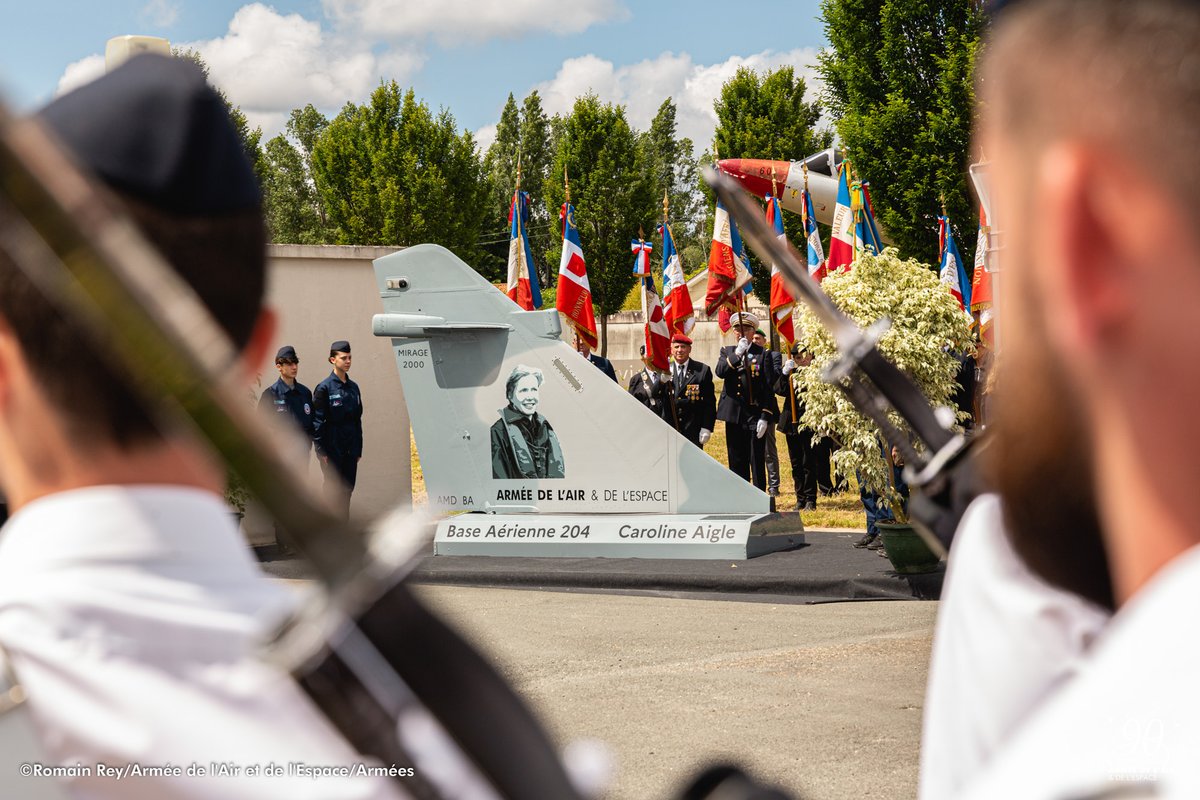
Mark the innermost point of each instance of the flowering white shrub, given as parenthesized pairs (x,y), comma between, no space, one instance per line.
(927,329)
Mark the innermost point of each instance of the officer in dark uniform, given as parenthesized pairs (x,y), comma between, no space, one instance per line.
(689,402)
(600,362)
(337,426)
(799,439)
(288,396)
(747,404)
(644,385)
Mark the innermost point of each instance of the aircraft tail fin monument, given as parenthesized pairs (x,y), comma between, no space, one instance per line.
(511,421)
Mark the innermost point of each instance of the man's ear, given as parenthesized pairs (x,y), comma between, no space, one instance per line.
(1089,252)
(254,354)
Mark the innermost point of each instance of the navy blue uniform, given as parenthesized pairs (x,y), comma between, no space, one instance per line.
(298,401)
(337,428)
(747,397)
(604,365)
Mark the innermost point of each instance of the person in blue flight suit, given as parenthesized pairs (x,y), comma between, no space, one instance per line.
(337,426)
(602,363)
(288,396)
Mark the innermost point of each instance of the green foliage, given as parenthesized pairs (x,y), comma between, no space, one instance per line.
(293,208)
(612,194)
(674,170)
(899,78)
(526,132)
(765,116)
(392,173)
(927,328)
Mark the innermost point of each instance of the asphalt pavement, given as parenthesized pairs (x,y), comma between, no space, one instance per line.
(824,700)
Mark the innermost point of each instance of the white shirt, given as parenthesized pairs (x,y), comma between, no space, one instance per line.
(1132,713)
(133,618)
(678,369)
(1005,640)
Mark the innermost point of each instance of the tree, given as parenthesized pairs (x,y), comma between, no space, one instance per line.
(672,168)
(391,173)
(291,204)
(523,132)
(899,79)
(612,194)
(765,116)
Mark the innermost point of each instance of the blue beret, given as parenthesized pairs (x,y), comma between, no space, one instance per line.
(340,346)
(155,130)
(287,351)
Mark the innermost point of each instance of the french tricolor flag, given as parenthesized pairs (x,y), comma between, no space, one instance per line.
(782,302)
(658,335)
(574,297)
(677,301)
(841,244)
(523,286)
(953,272)
(816,254)
(728,274)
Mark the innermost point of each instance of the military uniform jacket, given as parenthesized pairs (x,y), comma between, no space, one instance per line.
(793,396)
(337,418)
(690,403)
(749,391)
(645,388)
(278,399)
(603,364)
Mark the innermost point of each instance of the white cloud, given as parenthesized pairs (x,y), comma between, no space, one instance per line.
(77,73)
(642,87)
(458,21)
(269,63)
(159,13)
(485,136)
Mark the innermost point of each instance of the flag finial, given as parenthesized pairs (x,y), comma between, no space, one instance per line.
(666,205)
(567,185)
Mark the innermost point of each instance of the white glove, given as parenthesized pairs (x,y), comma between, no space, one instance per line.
(705,435)
(789,366)
(742,346)
(760,430)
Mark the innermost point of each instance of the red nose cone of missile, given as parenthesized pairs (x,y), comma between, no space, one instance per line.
(755,174)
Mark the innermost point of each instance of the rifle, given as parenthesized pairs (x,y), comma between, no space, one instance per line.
(943,472)
(396,680)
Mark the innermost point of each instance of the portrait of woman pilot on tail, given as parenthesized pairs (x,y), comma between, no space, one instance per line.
(524,446)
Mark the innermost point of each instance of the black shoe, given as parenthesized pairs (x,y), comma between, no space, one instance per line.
(866,540)
(811,505)
(876,544)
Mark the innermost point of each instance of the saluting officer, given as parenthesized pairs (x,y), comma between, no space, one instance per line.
(338,407)
(288,396)
(688,400)
(747,404)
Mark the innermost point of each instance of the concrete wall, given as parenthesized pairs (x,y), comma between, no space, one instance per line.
(323,293)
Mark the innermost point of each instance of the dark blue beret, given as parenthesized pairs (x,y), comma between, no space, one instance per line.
(340,346)
(154,129)
(287,351)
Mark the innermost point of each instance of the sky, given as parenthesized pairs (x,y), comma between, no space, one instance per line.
(463,55)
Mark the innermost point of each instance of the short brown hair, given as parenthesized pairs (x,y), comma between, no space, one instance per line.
(1126,74)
